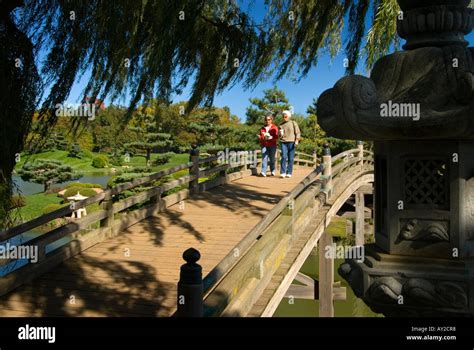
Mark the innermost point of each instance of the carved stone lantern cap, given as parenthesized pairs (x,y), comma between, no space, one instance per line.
(423,93)
(434,22)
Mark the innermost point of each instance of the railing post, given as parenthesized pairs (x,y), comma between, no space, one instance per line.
(108,205)
(360,146)
(190,286)
(315,159)
(326,276)
(194,170)
(327,172)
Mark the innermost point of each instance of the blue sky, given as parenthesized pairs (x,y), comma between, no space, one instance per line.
(300,94)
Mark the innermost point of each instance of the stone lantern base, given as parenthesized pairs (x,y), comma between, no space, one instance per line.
(407,286)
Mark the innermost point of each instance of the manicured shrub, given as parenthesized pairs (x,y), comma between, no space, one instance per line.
(163,158)
(88,192)
(100,161)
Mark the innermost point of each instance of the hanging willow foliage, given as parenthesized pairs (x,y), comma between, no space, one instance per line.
(147,50)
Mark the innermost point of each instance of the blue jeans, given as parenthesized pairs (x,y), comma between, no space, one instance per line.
(268,152)
(287,157)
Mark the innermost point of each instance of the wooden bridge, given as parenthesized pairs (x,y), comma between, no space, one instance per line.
(253,233)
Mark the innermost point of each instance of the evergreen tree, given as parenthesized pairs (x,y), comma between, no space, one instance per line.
(150,136)
(273,101)
(46,172)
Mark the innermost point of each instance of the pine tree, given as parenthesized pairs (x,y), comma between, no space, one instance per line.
(148,132)
(274,101)
(46,172)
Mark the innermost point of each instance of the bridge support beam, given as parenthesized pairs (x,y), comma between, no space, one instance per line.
(360,218)
(326,278)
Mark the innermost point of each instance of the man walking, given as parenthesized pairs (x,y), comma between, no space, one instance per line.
(290,136)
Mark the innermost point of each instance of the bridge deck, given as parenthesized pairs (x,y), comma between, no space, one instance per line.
(135,273)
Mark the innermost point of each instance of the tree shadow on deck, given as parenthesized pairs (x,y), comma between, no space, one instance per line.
(88,286)
(239,200)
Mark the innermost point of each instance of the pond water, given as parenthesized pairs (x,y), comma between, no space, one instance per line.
(351,307)
(26,188)
(23,239)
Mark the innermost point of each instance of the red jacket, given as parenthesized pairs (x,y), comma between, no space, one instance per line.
(273,133)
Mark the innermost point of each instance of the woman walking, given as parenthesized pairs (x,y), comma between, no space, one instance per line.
(268,137)
(290,136)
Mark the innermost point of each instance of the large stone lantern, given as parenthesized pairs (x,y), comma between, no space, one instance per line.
(418,108)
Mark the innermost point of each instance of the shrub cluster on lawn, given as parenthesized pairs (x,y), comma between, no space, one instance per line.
(87,192)
(100,161)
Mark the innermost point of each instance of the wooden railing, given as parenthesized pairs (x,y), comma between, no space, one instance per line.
(236,283)
(117,214)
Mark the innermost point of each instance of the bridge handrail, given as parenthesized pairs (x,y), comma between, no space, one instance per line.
(345,154)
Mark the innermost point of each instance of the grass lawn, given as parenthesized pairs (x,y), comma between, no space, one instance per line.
(84,164)
(35,204)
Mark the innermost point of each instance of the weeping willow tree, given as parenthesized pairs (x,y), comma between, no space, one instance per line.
(149,50)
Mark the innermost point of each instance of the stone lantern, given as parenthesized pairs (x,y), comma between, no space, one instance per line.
(418,109)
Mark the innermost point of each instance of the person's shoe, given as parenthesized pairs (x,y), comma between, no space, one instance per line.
(273,173)
(283,175)
(263,175)
(289,175)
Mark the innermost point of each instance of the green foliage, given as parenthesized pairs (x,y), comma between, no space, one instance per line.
(35,204)
(88,192)
(162,158)
(274,101)
(149,135)
(74,151)
(84,185)
(100,161)
(46,172)
(383,32)
(17,202)
(51,207)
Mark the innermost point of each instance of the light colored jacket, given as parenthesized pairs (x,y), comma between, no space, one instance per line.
(291,131)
